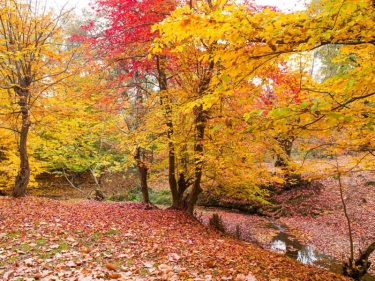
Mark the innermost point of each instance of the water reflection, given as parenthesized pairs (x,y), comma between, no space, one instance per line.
(289,245)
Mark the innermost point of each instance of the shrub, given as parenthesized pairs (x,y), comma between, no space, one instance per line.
(161,197)
(118,197)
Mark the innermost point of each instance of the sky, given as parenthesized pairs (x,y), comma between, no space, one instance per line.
(286,5)
(78,4)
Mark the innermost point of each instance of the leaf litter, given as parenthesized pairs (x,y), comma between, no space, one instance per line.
(314,215)
(44,239)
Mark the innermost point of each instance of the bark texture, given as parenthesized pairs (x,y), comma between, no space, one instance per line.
(23,176)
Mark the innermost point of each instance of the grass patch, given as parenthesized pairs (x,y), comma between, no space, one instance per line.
(161,197)
(95,237)
(22,247)
(8,261)
(40,242)
(111,232)
(13,234)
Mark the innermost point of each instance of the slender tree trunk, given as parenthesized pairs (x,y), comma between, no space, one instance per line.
(200,120)
(161,66)
(22,179)
(172,161)
(350,232)
(144,186)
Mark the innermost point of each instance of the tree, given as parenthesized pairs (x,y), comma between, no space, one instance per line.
(80,136)
(123,44)
(32,61)
(201,85)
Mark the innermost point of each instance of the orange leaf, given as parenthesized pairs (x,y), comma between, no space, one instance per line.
(115,276)
(110,266)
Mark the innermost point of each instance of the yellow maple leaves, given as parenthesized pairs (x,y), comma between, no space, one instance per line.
(248,42)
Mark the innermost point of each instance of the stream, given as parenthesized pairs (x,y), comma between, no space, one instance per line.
(288,244)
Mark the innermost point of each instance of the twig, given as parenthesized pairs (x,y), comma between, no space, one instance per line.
(72,184)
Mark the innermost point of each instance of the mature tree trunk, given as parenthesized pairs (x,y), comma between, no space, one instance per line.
(286,145)
(140,157)
(358,268)
(292,179)
(98,194)
(22,179)
(200,124)
(183,185)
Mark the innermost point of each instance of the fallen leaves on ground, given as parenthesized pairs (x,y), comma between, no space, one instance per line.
(314,215)
(56,240)
(327,229)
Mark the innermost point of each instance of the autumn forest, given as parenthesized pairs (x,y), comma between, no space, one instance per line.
(227,123)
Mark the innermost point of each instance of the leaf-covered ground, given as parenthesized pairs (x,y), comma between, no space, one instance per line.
(314,214)
(327,227)
(56,240)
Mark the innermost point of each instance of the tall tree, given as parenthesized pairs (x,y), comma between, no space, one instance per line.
(33,60)
(123,44)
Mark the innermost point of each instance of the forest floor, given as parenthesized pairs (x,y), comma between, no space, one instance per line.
(314,215)
(47,239)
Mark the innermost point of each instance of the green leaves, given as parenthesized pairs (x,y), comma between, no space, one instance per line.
(338,116)
(279,113)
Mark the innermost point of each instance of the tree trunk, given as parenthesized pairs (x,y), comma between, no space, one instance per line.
(292,179)
(144,186)
(360,267)
(176,202)
(286,145)
(200,124)
(161,66)
(22,179)
(140,157)
(183,184)
(200,120)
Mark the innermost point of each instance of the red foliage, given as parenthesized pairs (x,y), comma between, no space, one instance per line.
(123,30)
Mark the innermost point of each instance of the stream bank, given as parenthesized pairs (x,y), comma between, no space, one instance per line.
(288,244)
(274,236)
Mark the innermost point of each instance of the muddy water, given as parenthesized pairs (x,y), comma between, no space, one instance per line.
(289,245)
